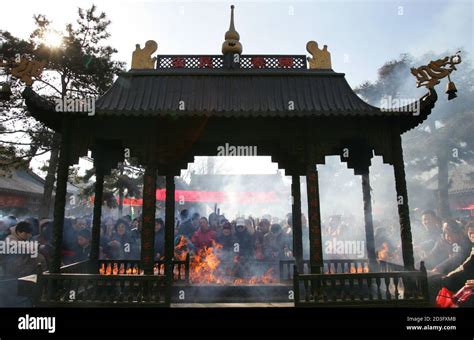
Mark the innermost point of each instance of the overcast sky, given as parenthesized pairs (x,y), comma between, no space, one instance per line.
(361,35)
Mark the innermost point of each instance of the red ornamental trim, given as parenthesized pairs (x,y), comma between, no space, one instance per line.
(258,62)
(205,62)
(285,62)
(178,62)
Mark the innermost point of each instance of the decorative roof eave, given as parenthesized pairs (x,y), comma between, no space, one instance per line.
(44,111)
(426,104)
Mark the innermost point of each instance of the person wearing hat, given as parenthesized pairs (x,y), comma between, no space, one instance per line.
(244,250)
(243,238)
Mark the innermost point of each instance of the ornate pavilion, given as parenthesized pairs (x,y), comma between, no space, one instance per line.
(170,108)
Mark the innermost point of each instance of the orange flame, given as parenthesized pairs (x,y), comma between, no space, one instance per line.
(382,254)
(205,267)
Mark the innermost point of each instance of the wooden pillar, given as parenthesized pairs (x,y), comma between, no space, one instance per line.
(402,202)
(369,224)
(296,215)
(314,220)
(98,199)
(60,198)
(148,218)
(169,235)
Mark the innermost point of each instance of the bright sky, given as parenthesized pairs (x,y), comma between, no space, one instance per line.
(361,35)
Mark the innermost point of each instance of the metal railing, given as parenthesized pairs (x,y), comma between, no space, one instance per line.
(398,288)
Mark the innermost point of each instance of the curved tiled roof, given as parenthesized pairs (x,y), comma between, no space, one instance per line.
(233,93)
(236,93)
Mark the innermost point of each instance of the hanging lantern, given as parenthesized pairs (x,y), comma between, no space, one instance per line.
(451,90)
(5,91)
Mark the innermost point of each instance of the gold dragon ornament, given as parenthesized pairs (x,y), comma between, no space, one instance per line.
(431,74)
(28,70)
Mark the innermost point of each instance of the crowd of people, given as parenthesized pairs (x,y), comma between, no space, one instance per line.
(263,238)
(444,245)
(266,238)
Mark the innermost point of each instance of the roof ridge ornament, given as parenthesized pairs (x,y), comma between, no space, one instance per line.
(431,74)
(28,70)
(232,37)
(321,59)
(141,57)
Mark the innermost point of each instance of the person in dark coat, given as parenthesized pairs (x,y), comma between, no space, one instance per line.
(18,265)
(243,239)
(457,278)
(225,237)
(159,238)
(83,246)
(226,253)
(122,245)
(275,244)
(432,231)
(186,227)
(450,250)
(262,229)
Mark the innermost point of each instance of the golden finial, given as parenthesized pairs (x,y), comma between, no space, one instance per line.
(141,57)
(321,59)
(232,37)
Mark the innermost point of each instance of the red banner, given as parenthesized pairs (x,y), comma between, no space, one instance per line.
(12,201)
(209,197)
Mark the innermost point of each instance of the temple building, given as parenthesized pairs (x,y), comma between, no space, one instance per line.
(167,109)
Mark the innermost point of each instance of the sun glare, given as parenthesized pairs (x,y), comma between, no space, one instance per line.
(53,39)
